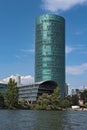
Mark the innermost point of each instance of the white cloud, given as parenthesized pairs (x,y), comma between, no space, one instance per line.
(68,49)
(18,57)
(24,79)
(27,50)
(61,5)
(76,70)
(7,78)
(78,48)
(79,33)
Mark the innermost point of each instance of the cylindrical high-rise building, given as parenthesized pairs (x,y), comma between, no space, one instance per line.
(50,49)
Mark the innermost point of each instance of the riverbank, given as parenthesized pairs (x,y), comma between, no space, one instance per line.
(76,109)
(63,109)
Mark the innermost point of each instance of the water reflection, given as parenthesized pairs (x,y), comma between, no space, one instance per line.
(42,120)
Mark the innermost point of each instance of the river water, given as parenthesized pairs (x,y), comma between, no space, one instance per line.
(42,120)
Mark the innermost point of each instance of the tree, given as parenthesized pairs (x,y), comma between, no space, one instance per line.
(75,100)
(24,104)
(69,98)
(1,101)
(48,102)
(84,96)
(11,95)
(43,102)
(65,103)
(55,98)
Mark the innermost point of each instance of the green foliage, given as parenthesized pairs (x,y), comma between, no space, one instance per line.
(75,100)
(65,103)
(11,95)
(1,100)
(43,101)
(69,98)
(85,105)
(55,99)
(33,107)
(24,104)
(84,96)
(48,102)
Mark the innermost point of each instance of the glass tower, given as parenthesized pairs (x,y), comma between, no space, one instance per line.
(50,50)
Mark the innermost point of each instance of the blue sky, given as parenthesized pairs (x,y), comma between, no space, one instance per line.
(17,28)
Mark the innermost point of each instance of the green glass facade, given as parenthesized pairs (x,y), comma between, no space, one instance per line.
(50,49)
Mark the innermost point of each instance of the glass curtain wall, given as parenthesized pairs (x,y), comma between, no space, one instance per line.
(50,49)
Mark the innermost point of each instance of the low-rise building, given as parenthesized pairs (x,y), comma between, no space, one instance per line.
(31,92)
(3,87)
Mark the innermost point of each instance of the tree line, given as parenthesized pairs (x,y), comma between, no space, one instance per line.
(44,102)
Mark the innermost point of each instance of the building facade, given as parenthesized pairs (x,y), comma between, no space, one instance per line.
(3,88)
(50,50)
(18,79)
(75,91)
(32,91)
